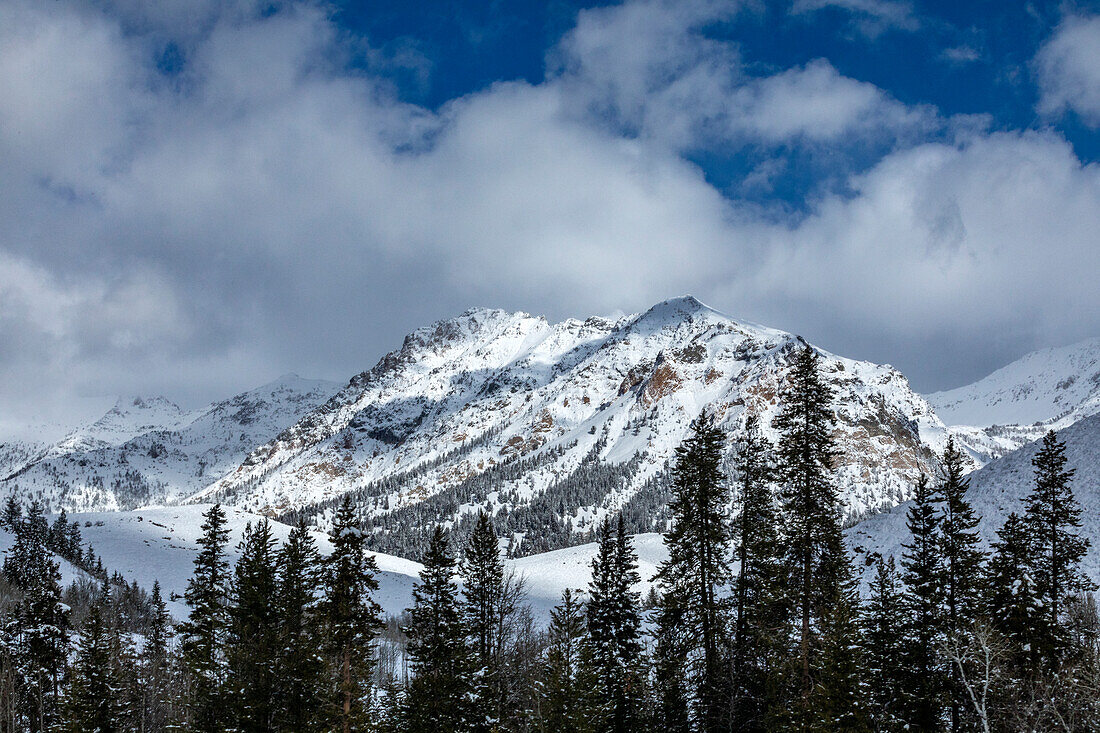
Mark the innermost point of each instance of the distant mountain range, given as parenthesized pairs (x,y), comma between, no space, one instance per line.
(148,450)
(552,426)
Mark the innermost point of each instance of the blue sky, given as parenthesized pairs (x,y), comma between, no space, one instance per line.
(970,58)
(199,195)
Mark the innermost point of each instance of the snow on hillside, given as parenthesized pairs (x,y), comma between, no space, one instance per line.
(548,574)
(489,388)
(146,451)
(1018,402)
(998,489)
(159,544)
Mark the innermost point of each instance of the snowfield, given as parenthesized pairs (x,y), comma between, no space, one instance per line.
(548,574)
(159,544)
(1042,386)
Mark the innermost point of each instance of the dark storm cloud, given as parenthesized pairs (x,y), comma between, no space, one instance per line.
(262,209)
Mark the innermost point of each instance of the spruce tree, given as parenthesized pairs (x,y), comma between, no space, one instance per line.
(806,455)
(91,701)
(203,635)
(1012,607)
(12,514)
(252,641)
(156,667)
(1053,521)
(963,561)
(351,618)
(922,580)
(439,696)
(73,550)
(124,671)
(760,583)
(671,702)
(563,680)
(839,701)
(42,621)
(884,649)
(614,630)
(32,540)
(483,612)
(299,660)
(698,569)
(59,534)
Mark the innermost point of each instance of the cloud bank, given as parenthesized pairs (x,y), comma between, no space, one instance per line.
(200,196)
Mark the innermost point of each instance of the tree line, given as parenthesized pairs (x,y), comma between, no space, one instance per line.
(758,620)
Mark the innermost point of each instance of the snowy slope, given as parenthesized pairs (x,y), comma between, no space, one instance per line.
(1050,388)
(159,544)
(548,574)
(147,450)
(491,388)
(1038,387)
(998,489)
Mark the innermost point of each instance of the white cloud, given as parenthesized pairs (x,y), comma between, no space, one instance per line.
(1068,68)
(818,103)
(267,211)
(993,239)
(960,54)
(873,16)
(647,69)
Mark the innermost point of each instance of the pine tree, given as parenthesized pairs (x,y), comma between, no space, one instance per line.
(72,546)
(962,567)
(839,701)
(41,620)
(59,534)
(698,565)
(252,641)
(806,455)
(614,630)
(439,696)
(300,664)
(1053,516)
(759,585)
(1012,607)
(483,612)
(91,702)
(203,635)
(922,576)
(12,514)
(32,540)
(563,679)
(156,667)
(124,671)
(669,661)
(884,648)
(351,618)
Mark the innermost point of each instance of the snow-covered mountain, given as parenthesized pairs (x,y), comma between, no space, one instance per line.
(999,488)
(554,425)
(146,450)
(1049,388)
